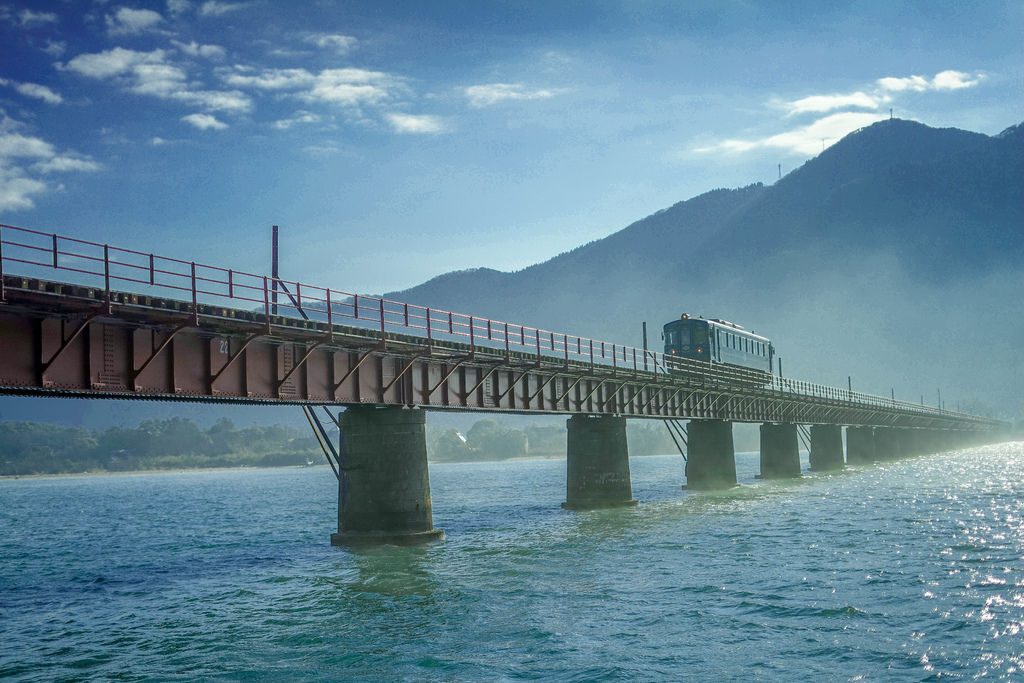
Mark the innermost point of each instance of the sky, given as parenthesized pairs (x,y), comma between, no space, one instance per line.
(395,141)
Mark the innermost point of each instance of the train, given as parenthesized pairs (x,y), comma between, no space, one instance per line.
(720,343)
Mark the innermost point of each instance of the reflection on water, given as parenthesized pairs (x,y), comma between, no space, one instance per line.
(906,570)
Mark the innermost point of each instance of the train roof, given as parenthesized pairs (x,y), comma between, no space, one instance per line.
(717,322)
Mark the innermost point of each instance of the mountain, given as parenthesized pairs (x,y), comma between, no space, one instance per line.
(894,257)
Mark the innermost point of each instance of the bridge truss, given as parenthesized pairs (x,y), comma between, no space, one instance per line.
(84,319)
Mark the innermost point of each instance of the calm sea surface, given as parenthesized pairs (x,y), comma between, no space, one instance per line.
(905,571)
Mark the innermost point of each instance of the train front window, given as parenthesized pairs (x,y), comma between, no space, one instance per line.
(682,336)
(700,336)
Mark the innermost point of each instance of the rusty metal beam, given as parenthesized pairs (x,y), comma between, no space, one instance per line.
(352,370)
(400,374)
(478,384)
(512,385)
(544,386)
(157,352)
(568,389)
(445,378)
(66,343)
(309,352)
(232,359)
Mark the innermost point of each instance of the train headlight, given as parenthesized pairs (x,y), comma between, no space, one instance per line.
(699,349)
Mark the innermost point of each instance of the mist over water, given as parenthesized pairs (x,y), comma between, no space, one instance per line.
(905,571)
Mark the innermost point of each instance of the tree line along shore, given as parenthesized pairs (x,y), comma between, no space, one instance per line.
(31,448)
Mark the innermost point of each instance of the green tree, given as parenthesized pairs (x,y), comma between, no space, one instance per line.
(496,442)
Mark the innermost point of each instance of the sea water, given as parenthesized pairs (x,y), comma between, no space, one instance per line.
(912,570)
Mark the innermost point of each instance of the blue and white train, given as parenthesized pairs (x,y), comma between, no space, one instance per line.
(720,342)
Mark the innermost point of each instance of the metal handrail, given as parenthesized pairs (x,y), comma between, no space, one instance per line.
(216,285)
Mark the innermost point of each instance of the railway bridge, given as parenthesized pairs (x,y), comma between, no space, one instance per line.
(81,319)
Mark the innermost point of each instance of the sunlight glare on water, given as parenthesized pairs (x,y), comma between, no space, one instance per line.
(903,571)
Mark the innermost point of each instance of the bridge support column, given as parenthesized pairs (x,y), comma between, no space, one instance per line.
(780,452)
(826,448)
(909,442)
(888,445)
(597,463)
(860,445)
(940,441)
(384,492)
(711,460)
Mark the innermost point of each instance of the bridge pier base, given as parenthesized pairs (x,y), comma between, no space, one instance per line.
(860,445)
(384,491)
(597,463)
(711,457)
(780,452)
(826,448)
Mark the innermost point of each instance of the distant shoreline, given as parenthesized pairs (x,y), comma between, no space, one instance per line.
(184,470)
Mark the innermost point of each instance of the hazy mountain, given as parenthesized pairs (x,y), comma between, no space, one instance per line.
(893,256)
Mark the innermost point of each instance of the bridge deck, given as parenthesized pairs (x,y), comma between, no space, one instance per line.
(66,339)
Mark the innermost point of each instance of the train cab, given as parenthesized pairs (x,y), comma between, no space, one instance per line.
(718,341)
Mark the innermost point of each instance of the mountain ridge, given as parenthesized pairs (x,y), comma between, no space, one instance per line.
(926,210)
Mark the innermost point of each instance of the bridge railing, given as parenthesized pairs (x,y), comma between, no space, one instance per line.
(289,303)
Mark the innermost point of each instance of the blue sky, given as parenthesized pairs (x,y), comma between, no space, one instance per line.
(394,141)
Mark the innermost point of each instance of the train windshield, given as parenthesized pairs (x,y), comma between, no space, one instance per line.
(680,336)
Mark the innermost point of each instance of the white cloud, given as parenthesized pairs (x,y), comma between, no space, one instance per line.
(807,140)
(160,80)
(955,80)
(29,18)
(217,100)
(18,187)
(55,48)
(824,103)
(194,49)
(268,79)
(64,164)
(492,93)
(300,117)
(350,87)
(127,21)
(40,92)
(213,8)
(338,43)
(113,62)
(15,145)
(811,139)
(204,122)
(410,123)
(149,73)
(178,6)
(945,80)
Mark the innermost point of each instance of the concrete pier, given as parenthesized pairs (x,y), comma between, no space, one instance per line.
(384,491)
(780,452)
(711,458)
(888,445)
(910,442)
(826,448)
(860,445)
(597,463)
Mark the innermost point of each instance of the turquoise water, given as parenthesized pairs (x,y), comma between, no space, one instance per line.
(906,571)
